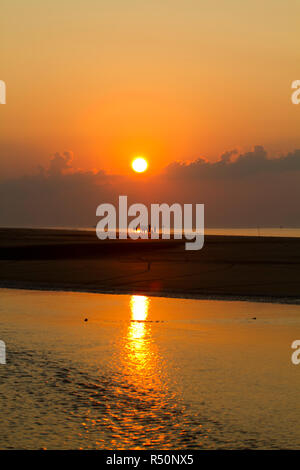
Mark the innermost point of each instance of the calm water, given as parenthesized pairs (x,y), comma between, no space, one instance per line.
(255,232)
(147,373)
(249,232)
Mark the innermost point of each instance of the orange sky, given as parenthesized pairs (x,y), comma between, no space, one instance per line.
(166,79)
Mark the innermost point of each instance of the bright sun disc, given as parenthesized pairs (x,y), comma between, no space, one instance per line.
(139,164)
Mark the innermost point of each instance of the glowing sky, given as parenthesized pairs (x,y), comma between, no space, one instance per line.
(168,79)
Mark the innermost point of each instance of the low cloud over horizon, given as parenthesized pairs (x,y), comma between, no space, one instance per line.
(239,190)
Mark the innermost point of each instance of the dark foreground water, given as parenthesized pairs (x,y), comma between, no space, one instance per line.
(146,373)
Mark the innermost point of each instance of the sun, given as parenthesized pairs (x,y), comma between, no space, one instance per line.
(139,164)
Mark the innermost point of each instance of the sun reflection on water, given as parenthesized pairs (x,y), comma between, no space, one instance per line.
(139,306)
(135,407)
(139,348)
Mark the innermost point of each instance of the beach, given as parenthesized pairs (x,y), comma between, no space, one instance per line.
(210,368)
(228,267)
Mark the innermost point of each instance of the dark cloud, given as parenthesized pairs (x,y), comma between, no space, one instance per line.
(60,163)
(56,195)
(246,189)
(245,165)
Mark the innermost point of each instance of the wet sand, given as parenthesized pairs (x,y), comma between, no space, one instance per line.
(259,268)
(147,373)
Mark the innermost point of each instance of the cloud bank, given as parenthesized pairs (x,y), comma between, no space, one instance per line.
(239,190)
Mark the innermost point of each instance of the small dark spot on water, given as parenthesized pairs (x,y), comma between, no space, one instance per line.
(147,321)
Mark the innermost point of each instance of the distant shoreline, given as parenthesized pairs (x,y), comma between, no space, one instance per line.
(166,295)
(277,232)
(242,268)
